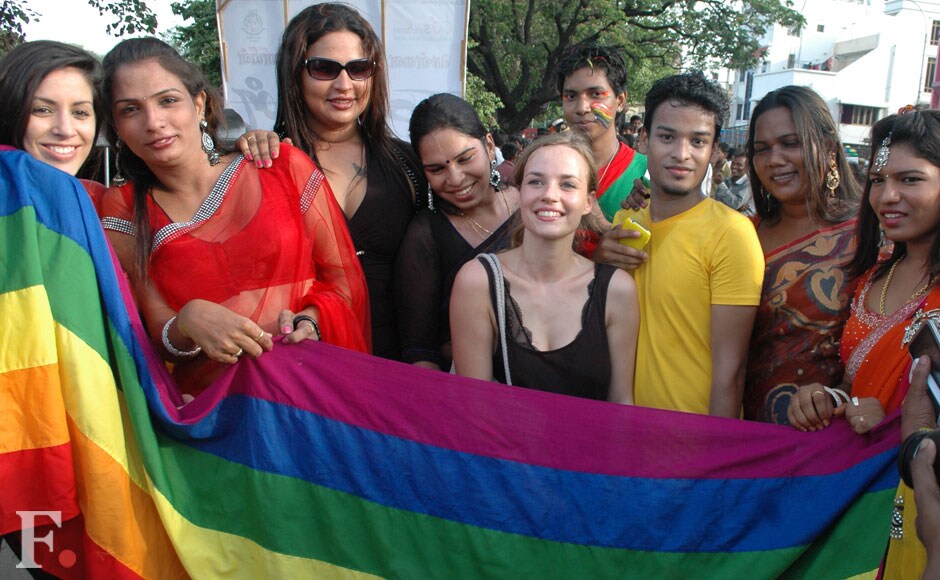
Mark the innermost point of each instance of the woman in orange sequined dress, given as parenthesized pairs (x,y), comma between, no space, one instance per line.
(902,200)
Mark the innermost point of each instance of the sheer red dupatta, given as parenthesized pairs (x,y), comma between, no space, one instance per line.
(262,241)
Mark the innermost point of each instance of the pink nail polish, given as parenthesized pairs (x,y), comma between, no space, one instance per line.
(285,329)
(259,163)
(268,163)
(248,156)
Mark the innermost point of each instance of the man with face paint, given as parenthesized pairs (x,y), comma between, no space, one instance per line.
(592,81)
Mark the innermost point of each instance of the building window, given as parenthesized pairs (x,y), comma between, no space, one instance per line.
(739,112)
(858,115)
(931,71)
(794,30)
(935,32)
(791,61)
(820,28)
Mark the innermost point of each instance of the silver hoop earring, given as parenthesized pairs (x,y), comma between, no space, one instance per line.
(118,179)
(430,198)
(494,175)
(208,144)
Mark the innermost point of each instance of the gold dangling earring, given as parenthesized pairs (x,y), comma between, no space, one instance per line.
(832,177)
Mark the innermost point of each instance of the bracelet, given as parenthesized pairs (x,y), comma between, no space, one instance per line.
(304,318)
(835,394)
(172,349)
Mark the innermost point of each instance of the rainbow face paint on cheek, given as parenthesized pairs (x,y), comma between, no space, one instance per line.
(603,114)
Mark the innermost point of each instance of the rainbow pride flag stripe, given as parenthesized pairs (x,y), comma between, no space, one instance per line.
(313,461)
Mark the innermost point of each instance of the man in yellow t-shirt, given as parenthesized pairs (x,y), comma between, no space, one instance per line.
(699,279)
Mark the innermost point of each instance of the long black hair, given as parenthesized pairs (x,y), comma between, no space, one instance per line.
(129,52)
(920,130)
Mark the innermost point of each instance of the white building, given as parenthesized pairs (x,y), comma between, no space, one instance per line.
(866,58)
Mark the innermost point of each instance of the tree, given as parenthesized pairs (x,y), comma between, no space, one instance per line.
(515,43)
(130,17)
(198,41)
(484,102)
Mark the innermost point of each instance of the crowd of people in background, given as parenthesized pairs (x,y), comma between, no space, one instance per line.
(638,259)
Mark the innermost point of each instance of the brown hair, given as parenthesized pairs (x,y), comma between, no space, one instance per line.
(819,138)
(578,143)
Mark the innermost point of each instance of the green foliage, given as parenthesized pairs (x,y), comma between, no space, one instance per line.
(516,43)
(485,102)
(130,17)
(198,38)
(13,15)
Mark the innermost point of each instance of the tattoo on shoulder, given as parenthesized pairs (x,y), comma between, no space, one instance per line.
(360,170)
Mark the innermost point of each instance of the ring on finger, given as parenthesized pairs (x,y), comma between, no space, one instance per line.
(855,401)
(240,352)
(260,336)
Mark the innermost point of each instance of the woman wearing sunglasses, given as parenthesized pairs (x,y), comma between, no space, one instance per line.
(222,257)
(333,104)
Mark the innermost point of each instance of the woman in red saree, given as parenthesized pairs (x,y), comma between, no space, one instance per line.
(223,258)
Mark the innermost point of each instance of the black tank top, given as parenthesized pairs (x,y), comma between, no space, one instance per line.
(581,368)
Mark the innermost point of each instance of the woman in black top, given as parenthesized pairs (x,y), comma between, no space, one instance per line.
(571,325)
(470,214)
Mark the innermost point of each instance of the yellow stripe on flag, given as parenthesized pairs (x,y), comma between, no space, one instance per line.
(26,337)
(213,554)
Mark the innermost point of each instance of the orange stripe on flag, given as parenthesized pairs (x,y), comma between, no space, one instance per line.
(31,409)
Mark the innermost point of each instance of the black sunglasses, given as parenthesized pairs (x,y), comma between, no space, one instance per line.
(324,69)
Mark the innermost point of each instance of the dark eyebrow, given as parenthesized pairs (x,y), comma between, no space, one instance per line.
(901,173)
(461,154)
(51,102)
(673,130)
(156,94)
(779,137)
(593,88)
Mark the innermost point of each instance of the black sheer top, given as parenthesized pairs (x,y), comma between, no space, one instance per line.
(430,257)
(582,368)
(377,229)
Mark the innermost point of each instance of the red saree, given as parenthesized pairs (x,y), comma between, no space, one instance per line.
(262,241)
(876,361)
(803,308)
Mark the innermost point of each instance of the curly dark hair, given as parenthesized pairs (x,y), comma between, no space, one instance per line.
(593,56)
(691,88)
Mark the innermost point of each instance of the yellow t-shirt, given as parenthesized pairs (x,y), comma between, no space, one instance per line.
(706,255)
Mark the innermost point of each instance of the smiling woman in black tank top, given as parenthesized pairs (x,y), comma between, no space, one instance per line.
(570,325)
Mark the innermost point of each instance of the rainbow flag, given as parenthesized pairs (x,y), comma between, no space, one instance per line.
(313,461)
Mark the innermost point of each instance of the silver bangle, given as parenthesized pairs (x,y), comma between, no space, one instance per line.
(172,349)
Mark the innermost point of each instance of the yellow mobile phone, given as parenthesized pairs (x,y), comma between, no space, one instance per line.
(623,219)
